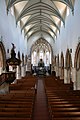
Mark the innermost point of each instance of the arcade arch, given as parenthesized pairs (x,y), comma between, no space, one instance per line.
(2,57)
(77,66)
(68,66)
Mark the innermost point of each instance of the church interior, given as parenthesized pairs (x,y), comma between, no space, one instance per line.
(39,59)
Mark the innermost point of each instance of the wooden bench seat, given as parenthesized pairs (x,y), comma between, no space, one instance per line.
(68,118)
(72,101)
(17,96)
(26,103)
(17,99)
(64,105)
(65,114)
(14,118)
(71,109)
(16,114)
(16,105)
(29,109)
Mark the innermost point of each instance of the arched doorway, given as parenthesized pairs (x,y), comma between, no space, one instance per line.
(62,66)
(68,65)
(77,66)
(2,57)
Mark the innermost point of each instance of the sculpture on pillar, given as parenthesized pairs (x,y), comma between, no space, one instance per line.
(13,54)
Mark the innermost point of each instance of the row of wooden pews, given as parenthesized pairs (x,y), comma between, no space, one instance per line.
(19,103)
(63,102)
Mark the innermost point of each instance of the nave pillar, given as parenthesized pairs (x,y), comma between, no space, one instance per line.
(68,75)
(23,70)
(65,75)
(74,78)
(57,66)
(56,70)
(62,73)
(18,72)
(59,70)
(1,70)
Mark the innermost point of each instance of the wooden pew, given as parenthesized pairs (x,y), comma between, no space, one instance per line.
(63,102)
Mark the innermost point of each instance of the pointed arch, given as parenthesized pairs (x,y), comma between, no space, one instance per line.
(2,56)
(68,62)
(77,57)
(77,66)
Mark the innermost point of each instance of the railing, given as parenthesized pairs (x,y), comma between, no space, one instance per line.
(7,77)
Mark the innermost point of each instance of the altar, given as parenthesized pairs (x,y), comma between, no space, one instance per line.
(41,68)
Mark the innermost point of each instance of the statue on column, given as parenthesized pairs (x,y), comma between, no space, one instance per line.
(13,54)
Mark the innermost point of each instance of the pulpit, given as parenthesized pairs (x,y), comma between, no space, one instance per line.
(10,76)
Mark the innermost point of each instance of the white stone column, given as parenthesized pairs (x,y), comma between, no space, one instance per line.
(0,70)
(65,76)
(26,67)
(74,78)
(60,72)
(22,71)
(68,76)
(57,71)
(18,76)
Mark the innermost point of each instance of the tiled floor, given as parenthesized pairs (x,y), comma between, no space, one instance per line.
(40,108)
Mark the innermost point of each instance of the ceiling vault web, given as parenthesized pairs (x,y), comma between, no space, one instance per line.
(44,16)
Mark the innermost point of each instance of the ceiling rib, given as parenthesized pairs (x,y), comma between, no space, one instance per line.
(40,32)
(43,24)
(41,17)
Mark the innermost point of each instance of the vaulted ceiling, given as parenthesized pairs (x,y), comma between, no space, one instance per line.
(44,16)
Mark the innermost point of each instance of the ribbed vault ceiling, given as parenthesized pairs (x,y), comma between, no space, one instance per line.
(44,16)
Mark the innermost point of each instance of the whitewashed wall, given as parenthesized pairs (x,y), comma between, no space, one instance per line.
(10,32)
(69,35)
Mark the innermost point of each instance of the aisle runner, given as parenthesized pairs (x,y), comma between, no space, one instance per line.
(40,108)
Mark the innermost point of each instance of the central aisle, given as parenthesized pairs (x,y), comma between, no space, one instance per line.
(40,108)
